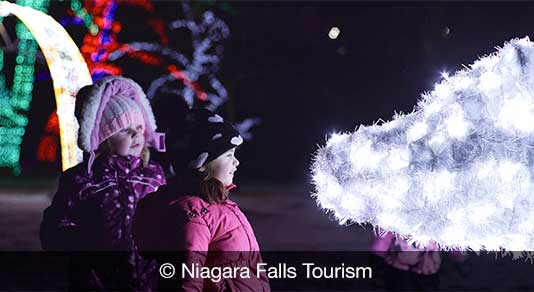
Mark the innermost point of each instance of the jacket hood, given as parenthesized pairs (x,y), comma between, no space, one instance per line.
(91,101)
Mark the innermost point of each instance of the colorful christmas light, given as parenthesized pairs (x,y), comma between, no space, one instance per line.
(101,50)
(48,146)
(183,73)
(81,16)
(67,68)
(15,102)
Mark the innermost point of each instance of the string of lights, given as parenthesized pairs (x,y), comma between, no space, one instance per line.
(48,146)
(81,16)
(15,102)
(207,35)
(67,68)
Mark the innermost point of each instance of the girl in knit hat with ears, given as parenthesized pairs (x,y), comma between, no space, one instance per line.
(193,212)
(96,199)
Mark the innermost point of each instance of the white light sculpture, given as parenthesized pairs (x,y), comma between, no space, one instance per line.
(458,170)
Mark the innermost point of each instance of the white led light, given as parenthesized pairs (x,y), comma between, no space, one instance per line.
(457,170)
(334,33)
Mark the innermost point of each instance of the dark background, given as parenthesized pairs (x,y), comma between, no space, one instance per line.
(279,65)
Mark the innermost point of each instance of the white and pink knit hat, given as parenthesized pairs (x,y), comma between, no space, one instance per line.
(108,106)
(119,113)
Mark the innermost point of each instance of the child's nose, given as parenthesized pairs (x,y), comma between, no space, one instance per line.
(236,162)
(135,133)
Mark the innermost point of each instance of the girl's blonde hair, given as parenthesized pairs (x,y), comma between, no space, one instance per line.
(145,155)
(213,189)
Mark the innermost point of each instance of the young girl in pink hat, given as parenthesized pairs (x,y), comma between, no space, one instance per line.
(96,199)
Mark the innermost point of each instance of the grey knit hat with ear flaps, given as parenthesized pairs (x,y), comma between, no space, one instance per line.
(202,138)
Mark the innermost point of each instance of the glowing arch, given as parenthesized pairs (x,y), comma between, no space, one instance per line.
(67,67)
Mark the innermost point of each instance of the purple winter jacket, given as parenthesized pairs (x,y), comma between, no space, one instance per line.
(211,235)
(93,212)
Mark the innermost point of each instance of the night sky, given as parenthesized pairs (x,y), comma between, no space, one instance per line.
(280,65)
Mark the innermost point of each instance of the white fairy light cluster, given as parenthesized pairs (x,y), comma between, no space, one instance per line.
(207,36)
(458,170)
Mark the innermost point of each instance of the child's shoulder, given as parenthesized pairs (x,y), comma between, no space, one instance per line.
(74,179)
(190,203)
(196,206)
(153,169)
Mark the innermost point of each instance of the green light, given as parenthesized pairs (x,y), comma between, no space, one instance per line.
(24,105)
(16,170)
(75,5)
(14,131)
(10,140)
(20,131)
(12,113)
(93,29)
(10,155)
(78,10)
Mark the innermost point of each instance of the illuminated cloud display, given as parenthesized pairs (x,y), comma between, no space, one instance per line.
(459,169)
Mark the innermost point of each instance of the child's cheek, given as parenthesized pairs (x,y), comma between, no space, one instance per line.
(124,147)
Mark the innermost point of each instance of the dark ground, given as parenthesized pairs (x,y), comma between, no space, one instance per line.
(284,219)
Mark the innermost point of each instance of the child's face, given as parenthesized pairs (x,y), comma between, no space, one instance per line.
(128,141)
(224,167)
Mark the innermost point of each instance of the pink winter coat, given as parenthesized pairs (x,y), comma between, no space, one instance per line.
(212,235)
(401,255)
